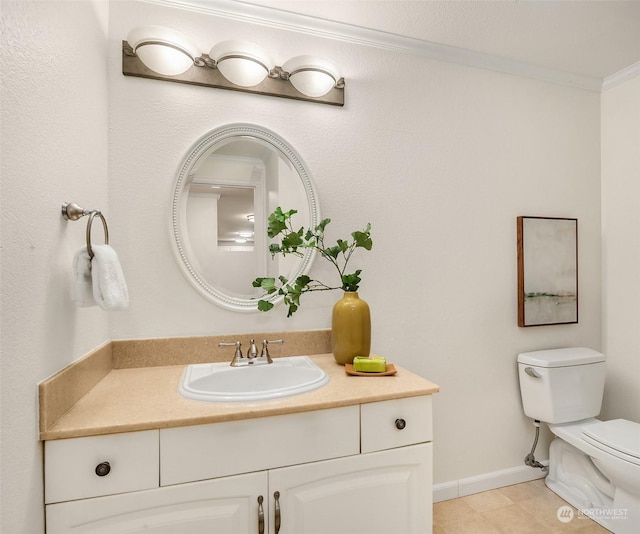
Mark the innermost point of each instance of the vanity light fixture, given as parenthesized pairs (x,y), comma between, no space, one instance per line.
(164,54)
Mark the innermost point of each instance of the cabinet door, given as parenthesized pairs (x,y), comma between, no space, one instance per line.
(378,493)
(227,505)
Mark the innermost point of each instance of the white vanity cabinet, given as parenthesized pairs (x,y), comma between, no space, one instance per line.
(350,470)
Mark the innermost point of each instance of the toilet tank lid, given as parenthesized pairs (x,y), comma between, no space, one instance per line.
(561,357)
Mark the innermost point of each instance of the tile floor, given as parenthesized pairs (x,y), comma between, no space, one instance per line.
(529,508)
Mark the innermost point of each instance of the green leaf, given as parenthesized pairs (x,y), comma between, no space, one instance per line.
(332,251)
(267,284)
(292,241)
(322,225)
(277,222)
(264,305)
(363,239)
(302,280)
(344,245)
(351,282)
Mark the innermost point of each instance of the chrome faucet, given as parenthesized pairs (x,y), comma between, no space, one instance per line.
(252,353)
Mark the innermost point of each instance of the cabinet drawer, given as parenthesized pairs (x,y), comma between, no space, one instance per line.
(395,423)
(71,465)
(220,449)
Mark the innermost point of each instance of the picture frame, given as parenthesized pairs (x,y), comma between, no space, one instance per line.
(547,271)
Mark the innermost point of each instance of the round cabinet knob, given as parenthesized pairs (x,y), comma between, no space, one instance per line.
(401,424)
(103,469)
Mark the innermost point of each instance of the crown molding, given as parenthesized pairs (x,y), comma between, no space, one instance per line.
(285,20)
(621,76)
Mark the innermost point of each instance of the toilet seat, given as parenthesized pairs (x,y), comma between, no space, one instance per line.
(618,437)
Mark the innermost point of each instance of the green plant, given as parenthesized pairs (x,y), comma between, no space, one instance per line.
(295,242)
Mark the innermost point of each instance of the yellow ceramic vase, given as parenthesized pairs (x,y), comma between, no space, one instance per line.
(350,328)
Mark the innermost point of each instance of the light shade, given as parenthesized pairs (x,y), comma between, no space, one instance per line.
(163,50)
(242,62)
(311,75)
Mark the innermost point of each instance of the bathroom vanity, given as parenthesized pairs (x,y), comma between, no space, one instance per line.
(354,456)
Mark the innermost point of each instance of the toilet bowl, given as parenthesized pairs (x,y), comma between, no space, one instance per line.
(597,473)
(594,465)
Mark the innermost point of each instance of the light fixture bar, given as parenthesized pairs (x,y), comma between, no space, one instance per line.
(204,74)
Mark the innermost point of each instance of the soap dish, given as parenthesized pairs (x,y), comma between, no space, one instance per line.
(391,370)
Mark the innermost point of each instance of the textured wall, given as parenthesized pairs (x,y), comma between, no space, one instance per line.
(621,248)
(54,149)
(439,158)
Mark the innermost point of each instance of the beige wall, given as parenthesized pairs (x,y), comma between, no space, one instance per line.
(54,149)
(621,249)
(440,158)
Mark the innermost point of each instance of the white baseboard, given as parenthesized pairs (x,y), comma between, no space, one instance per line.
(486,482)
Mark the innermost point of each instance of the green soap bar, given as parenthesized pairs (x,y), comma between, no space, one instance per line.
(375,364)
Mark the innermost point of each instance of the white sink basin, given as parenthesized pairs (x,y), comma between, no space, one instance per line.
(219,382)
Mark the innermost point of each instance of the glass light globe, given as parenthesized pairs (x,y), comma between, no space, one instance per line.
(241,62)
(312,76)
(163,50)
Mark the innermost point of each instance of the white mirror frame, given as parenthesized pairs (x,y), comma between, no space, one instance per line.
(203,146)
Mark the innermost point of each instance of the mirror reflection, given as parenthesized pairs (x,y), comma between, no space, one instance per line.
(229,184)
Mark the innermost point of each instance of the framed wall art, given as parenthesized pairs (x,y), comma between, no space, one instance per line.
(547,271)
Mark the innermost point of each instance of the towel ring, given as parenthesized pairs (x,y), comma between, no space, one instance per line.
(73,212)
(92,216)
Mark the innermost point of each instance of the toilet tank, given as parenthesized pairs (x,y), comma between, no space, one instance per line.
(561,385)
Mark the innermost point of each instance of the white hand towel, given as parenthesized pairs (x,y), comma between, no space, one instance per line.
(82,293)
(109,287)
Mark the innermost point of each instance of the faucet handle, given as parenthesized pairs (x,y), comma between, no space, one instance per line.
(238,354)
(265,348)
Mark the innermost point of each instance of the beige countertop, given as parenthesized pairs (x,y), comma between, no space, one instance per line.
(145,398)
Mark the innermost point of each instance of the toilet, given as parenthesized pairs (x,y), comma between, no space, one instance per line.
(594,465)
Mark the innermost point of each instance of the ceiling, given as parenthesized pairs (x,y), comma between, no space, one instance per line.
(587,37)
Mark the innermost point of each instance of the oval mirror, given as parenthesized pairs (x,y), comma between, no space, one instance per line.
(230,181)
